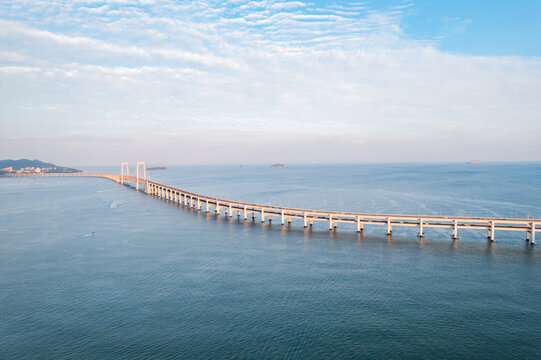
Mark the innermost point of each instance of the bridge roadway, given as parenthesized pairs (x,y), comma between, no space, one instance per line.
(194,200)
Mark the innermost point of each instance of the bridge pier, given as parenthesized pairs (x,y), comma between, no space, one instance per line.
(122,171)
(262,215)
(330,222)
(305,221)
(421,228)
(492,231)
(245,213)
(455,230)
(532,231)
(144,173)
(389,226)
(230,211)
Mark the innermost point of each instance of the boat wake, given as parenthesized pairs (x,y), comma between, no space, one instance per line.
(115,204)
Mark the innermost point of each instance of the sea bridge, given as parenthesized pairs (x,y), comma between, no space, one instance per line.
(264,212)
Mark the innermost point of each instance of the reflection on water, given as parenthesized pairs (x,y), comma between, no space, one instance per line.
(166,281)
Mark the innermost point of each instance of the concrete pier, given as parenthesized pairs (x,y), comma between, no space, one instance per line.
(330,222)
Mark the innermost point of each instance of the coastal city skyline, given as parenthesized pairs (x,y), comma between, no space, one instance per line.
(241,82)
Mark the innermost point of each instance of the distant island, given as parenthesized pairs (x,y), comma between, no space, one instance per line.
(279,166)
(475,162)
(157,168)
(25,166)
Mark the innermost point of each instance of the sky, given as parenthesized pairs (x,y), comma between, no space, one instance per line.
(87,82)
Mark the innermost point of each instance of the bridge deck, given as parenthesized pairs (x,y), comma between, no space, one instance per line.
(194,200)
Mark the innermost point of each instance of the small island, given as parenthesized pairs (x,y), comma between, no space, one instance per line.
(157,168)
(279,166)
(25,166)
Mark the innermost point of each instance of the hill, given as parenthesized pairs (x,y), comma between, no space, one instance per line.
(32,166)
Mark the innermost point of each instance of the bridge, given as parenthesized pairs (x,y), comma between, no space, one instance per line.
(264,212)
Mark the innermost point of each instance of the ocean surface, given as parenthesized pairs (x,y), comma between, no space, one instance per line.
(90,269)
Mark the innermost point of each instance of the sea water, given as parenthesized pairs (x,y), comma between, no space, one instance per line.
(91,269)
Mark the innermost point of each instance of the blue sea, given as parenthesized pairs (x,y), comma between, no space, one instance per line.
(90,269)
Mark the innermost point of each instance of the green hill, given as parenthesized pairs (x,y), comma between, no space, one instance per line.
(33,164)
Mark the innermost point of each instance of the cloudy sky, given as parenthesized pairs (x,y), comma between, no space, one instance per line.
(88,82)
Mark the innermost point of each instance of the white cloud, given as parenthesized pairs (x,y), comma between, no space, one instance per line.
(98,46)
(288,5)
(342,72)
(14,70)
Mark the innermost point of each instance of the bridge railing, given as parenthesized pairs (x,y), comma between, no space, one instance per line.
(195,200)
